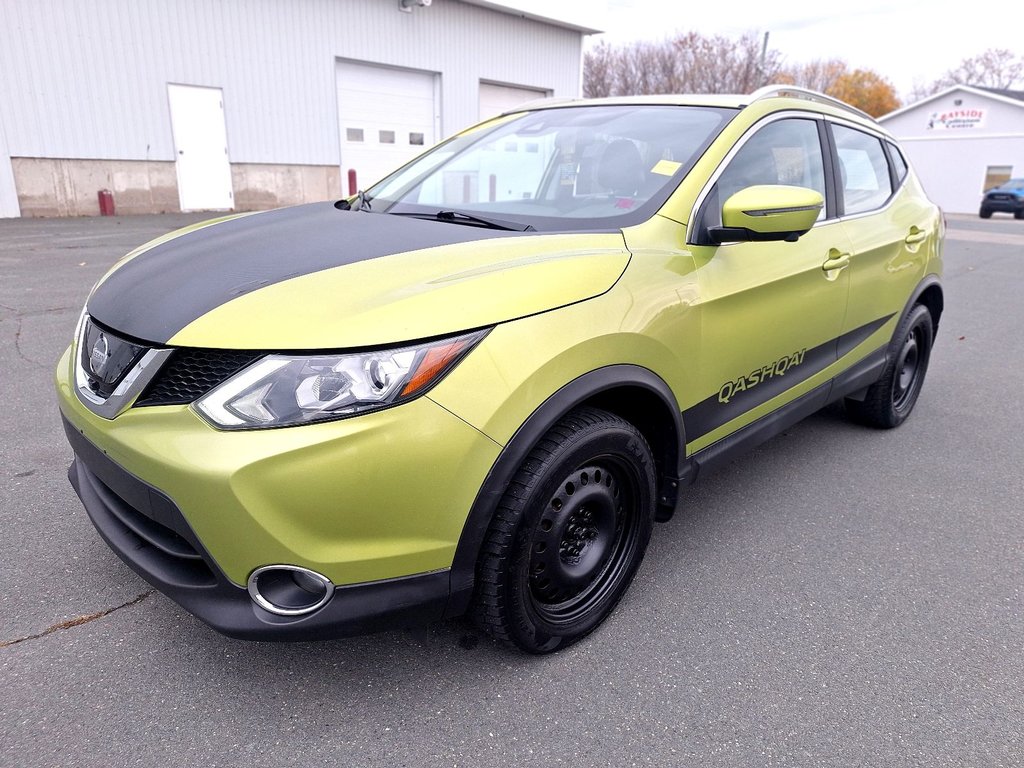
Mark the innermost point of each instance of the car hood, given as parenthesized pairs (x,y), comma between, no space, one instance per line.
(316,277)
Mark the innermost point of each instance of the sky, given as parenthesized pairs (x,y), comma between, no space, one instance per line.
(906,41)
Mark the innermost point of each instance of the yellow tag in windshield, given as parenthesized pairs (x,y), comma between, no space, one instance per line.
(665,167)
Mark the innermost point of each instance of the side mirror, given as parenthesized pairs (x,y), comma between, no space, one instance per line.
(768,212)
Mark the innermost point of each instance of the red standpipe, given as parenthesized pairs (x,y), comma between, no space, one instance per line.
(106,198)
(353,186)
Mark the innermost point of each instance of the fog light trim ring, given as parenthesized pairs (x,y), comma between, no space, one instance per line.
(262,602)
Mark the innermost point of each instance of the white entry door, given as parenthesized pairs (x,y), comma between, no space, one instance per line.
(495,99)
(9,207)
(201,148)
(386,117)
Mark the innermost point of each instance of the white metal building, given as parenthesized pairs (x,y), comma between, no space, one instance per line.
(247,104)
(962,141)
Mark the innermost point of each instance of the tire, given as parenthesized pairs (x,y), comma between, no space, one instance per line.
(1019,213)
(889,401)
(985,213)
(568,535)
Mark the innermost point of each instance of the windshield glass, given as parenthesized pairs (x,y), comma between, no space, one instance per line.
(1012,184)
(570,168)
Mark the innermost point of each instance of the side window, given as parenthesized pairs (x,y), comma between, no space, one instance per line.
(898,163)
(863,170)
(783,152)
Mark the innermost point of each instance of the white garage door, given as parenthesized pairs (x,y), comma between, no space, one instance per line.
(495,99)
(387,116)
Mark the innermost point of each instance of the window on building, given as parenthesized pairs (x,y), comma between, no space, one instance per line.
(353,134)
(996,175)
(386,137)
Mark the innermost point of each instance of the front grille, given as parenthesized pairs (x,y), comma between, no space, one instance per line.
(191,373)
(105,358)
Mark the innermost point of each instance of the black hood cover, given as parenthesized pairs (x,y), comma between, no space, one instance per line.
(157,293)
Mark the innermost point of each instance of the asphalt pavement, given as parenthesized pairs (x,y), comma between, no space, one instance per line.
(840,596)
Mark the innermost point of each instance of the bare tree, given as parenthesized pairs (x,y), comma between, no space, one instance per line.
(818,75)
(599,71)
(994,68)
(687,63)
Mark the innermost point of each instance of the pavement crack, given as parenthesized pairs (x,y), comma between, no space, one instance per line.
(36,312)
(78,621)
(17,345)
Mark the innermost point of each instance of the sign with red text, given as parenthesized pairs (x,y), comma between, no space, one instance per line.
(956,119)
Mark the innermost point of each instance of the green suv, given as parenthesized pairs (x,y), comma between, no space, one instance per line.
(475,387)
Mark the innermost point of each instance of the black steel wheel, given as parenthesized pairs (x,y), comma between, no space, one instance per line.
(889,401)
(568,535)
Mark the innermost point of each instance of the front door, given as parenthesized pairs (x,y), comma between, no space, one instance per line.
(200,148)
(771,312)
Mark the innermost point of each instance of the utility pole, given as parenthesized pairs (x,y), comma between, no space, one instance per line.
(764,55)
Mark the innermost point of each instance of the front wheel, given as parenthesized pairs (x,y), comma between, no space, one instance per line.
(985,213)
(568,535)
(889,401)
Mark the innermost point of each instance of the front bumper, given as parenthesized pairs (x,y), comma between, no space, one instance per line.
(376,503)
(152,537)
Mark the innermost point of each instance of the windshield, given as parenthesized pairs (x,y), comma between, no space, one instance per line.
(1012,184)
(570,168)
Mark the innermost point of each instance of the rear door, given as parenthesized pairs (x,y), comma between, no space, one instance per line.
(891,226)
(770,311)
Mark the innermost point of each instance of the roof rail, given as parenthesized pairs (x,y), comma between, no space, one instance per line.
(796,92)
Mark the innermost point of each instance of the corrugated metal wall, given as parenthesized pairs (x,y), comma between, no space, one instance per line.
(88,78)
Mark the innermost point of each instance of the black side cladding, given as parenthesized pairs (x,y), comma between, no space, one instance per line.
(713,412)
(159,292)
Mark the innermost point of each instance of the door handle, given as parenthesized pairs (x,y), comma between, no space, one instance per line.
(916,236)
(836,260)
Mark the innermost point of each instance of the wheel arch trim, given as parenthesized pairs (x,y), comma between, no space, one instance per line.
(585,388)
(931,285)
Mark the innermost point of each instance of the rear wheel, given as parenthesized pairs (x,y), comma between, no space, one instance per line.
(1019,213)
(889,401)
(568,534)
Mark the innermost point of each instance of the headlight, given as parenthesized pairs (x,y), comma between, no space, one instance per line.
(282,390)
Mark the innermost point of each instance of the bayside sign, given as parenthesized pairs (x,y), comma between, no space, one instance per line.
(956,119)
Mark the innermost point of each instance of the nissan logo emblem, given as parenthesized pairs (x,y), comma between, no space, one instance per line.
(99,355)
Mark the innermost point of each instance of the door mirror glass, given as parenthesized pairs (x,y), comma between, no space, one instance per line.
(768,212)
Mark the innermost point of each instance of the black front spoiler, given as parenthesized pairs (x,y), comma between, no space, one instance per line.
(150,534)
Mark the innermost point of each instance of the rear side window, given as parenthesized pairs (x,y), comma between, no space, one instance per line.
(898,163)
(863,170)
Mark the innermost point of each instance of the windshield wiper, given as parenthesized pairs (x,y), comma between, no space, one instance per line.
(460,217)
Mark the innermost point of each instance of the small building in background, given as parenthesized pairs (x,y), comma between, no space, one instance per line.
(962,141)
(251,104)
